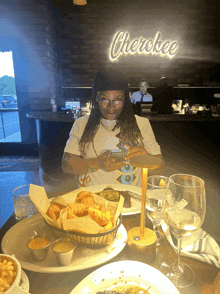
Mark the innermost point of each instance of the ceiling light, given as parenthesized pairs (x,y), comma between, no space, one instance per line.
(79,2)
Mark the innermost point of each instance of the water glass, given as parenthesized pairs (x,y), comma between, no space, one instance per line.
(23,205)
(156,193)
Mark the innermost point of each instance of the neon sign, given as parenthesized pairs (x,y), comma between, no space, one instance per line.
(122,45)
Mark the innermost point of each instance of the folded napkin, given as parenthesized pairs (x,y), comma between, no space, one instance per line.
(200,245)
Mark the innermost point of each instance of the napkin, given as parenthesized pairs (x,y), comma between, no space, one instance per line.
(200,245)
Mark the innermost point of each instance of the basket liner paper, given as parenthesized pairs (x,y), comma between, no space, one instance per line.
(81,224)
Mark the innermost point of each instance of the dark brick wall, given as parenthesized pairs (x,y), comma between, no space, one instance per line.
(86,35)
(65,45)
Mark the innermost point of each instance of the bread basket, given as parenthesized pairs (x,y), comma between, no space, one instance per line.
(89,240)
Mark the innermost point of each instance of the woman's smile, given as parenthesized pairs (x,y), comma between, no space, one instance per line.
(111,103)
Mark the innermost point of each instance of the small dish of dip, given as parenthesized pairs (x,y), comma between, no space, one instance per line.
(63,249)
(39,246)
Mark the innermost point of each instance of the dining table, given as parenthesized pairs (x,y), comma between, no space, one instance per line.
(65,282)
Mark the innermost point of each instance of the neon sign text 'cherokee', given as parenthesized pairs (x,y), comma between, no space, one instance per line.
(122,45)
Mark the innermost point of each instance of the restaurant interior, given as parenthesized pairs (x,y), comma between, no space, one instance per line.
(58,46)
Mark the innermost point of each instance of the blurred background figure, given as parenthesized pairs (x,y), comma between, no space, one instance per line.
(163,97)
(141,96)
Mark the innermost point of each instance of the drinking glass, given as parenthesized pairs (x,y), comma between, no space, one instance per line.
(23,205)
(156,196)
(184,214)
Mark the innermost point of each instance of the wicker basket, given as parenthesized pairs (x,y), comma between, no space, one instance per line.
(89,240)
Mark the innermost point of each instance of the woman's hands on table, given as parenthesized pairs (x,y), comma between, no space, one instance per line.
(109,164)
(76,165)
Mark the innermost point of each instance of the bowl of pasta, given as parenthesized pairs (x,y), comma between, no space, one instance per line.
(10,275)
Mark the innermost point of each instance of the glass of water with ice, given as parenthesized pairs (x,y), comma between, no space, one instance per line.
(23,205)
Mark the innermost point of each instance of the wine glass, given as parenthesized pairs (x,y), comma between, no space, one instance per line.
(184,214)
(156,196)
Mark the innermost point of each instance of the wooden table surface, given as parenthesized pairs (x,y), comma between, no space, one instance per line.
(65,282)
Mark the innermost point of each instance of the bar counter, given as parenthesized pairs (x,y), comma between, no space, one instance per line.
(153,117)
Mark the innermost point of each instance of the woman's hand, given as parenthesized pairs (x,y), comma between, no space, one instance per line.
(108,164)
(135,151)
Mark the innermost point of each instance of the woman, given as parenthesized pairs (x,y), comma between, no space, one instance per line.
(110,126)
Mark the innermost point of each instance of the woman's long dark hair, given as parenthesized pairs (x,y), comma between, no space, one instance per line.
(126,122)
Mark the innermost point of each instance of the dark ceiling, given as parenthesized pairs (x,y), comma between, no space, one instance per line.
(65,7)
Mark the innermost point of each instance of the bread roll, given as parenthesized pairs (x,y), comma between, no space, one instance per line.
(54,211)
(76,210)
(99,217)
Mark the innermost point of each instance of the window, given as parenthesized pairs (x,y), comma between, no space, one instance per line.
(9,116)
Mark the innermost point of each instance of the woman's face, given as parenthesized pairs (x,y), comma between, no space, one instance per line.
(111,103)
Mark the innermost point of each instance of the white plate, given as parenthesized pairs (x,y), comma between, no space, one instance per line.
(135,203)
(14,242)
(125,272)
(24,282)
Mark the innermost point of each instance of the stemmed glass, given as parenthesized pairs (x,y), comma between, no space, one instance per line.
(156,196)
(184,214)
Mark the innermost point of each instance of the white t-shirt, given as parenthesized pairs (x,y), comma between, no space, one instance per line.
(106,139)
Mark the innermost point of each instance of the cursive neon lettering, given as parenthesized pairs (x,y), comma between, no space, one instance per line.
(173,49)
(157,44)
(133,46)
(149,46)
(125,44)
(113,55)
(142,45)
(122,45)
(165,47)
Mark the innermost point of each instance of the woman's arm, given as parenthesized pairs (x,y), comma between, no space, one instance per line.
(77,165)
(74,164)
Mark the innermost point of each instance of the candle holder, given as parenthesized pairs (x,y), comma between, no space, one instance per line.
(141,238)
